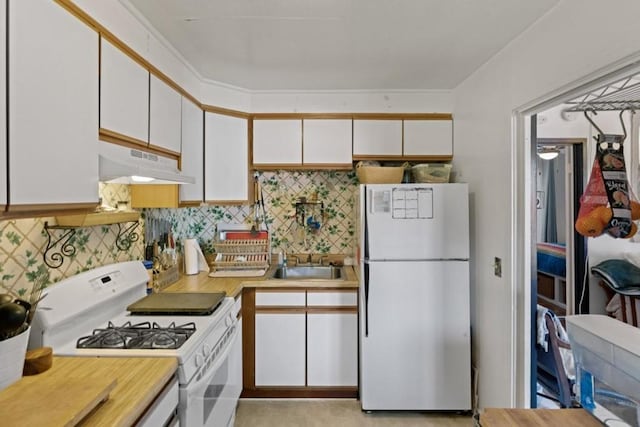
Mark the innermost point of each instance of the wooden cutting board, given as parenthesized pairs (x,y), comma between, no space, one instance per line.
(52,401)
(177,303)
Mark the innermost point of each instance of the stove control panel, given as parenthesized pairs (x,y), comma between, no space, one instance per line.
(110,280)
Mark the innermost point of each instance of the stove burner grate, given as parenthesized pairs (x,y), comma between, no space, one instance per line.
(144,335)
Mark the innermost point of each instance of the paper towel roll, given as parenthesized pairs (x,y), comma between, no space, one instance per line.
(194,260)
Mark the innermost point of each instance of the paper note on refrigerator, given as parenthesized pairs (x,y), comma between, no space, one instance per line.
(425,203)
(381,201)
(412,203)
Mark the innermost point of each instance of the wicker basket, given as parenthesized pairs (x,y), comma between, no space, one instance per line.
(431,172)
(380,174)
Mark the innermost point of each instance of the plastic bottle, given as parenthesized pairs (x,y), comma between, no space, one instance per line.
(149,266)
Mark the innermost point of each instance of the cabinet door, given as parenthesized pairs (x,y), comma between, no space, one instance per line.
(428,137)
(165,117)
(3,107)
(124,94)
(277,142)
(53,106)
(226,168)
(192,151)
(327,142)
(377,137)
(235,364)
(280,349)
(332,349)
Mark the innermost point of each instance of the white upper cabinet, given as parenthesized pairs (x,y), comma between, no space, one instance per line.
(428,137)
(124,94)
(326,141)
(377,138)
(165,105)
(53,107)
(277,142)
(3,107)
(226,148)
(192,151)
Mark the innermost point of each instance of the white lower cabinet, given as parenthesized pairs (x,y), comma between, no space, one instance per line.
(280,349)
(306,339)
(332,349)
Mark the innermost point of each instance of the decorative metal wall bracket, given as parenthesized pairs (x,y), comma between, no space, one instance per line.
(54,258)
(126,236)
(67,249)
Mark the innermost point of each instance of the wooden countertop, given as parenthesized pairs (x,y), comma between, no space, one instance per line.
(139,381)
(233,286)
(498,417)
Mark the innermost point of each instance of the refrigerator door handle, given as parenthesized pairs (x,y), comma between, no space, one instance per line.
(365,225)
(366,299)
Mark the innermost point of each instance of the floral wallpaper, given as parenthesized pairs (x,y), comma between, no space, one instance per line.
(324,226)
(23,243)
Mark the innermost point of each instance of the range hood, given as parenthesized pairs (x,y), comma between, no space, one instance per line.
(121,165)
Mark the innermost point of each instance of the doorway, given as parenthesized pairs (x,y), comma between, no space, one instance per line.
(576,295)
(560,257)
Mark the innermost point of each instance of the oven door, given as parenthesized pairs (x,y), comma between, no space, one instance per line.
(211,397)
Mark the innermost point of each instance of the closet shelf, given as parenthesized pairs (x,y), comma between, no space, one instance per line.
(623,94)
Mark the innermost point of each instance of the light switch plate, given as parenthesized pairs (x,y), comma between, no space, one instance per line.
(497,266)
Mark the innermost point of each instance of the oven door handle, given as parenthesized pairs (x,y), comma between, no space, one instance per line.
(205,373)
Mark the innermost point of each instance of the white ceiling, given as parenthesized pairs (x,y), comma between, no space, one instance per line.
(339,44)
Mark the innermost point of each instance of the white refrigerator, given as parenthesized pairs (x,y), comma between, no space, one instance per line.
(413,256)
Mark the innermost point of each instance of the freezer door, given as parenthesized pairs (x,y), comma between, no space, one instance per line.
(415,221)
(414,336)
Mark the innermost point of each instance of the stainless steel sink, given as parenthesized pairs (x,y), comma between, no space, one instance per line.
(309,272)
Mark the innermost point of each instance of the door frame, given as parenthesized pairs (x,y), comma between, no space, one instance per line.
(523,201)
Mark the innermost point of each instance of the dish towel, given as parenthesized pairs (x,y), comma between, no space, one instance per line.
(565,353)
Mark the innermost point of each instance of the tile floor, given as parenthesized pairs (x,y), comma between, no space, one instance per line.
(334,413)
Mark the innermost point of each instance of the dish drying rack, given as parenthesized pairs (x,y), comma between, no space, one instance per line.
(241,250)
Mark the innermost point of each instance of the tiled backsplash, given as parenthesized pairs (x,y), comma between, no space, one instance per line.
(23,241)
(281,189)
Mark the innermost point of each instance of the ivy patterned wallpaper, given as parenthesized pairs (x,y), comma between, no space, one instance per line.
(23,243)
(331,228)
(314,230)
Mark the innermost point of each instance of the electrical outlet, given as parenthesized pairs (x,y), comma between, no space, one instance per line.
(497,266)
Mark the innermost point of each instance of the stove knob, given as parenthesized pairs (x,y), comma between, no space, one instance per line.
(206,350)
(198,360)
(228,321)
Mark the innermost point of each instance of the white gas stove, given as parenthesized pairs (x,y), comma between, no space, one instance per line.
(89,310)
